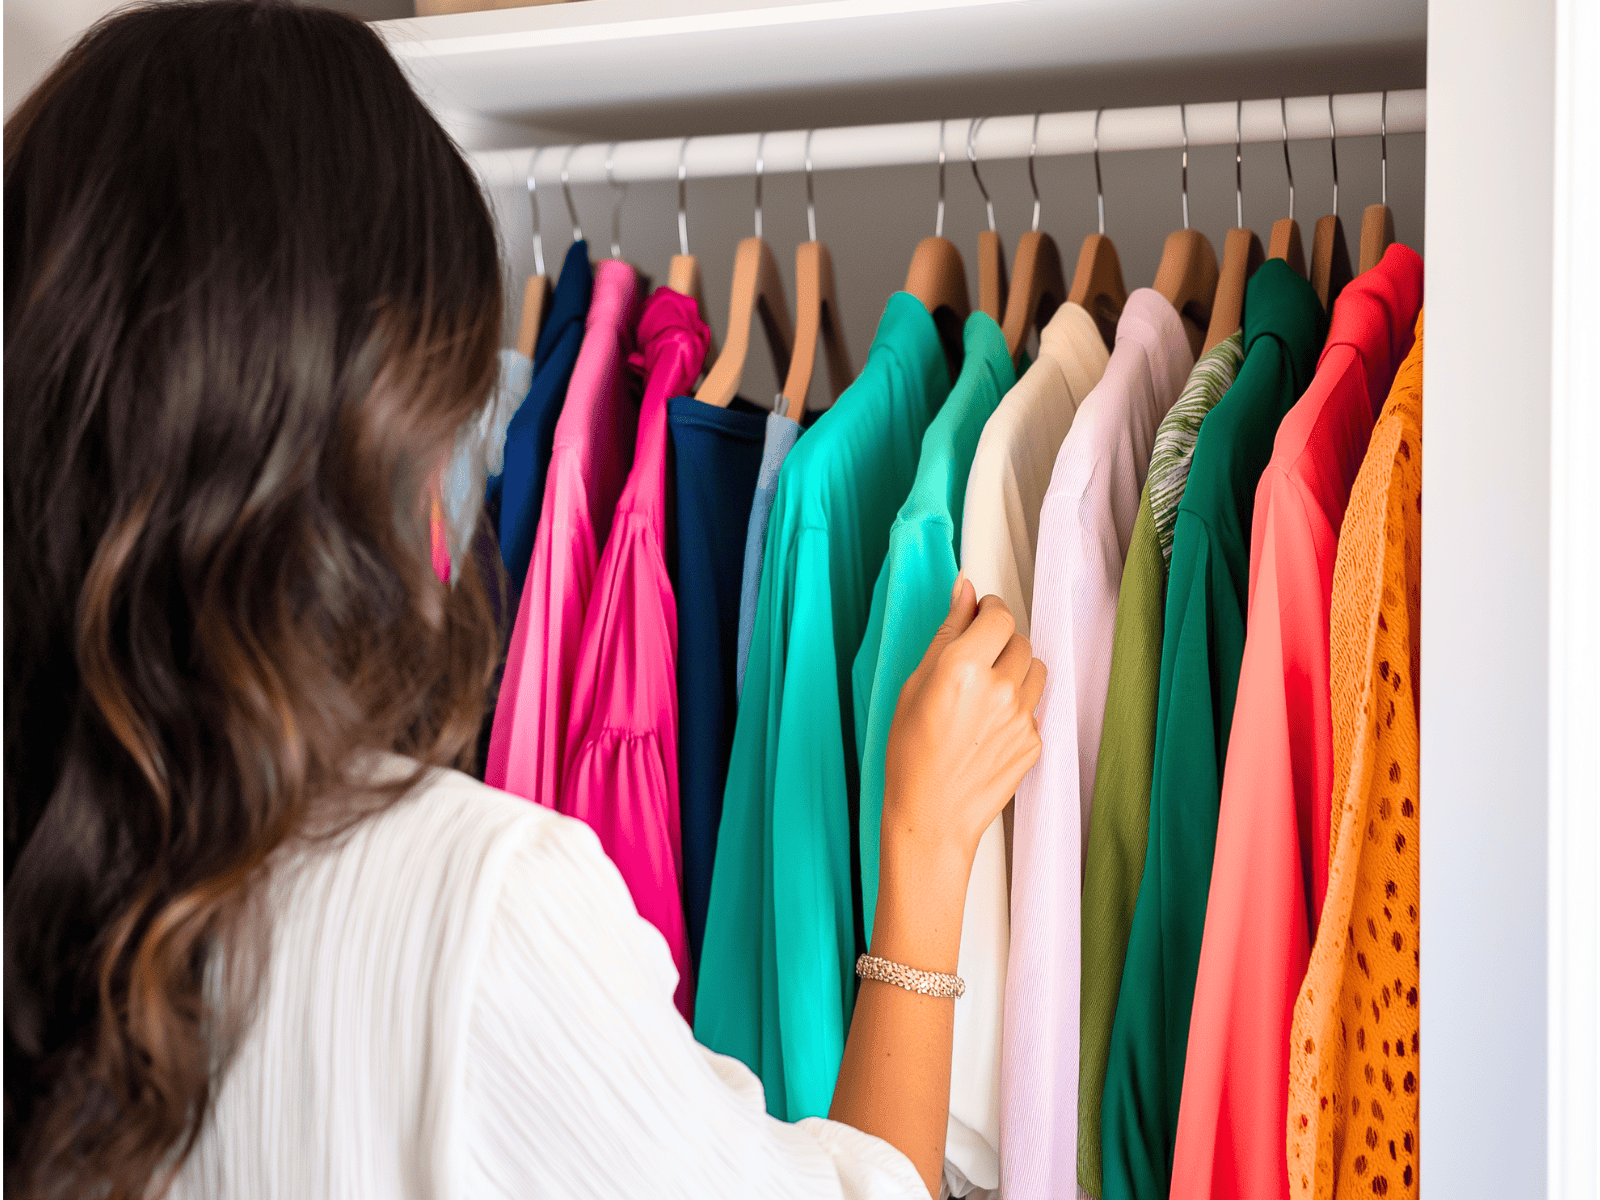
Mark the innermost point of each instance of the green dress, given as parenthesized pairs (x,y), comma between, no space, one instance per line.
(1120,818)
(1202,644)
(777,973)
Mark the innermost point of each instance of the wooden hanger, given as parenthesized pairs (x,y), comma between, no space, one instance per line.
(991,253)
(1330,253)
(1097,279)
(1284,241)
(1038,286)
(1187,275)
(938,278)
(537,295)
(683,271)
(757,291)
(816,307)
(1377,222)
(1241,255)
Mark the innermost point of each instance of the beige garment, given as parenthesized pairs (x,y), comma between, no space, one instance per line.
(1016,455)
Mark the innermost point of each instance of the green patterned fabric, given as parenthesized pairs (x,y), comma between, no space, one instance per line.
(1174,446)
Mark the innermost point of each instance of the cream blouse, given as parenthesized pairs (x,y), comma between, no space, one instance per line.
(461,1001)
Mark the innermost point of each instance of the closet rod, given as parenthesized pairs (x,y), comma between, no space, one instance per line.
(913,142)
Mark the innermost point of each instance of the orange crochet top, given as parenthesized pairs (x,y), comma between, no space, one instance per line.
(1353,1080)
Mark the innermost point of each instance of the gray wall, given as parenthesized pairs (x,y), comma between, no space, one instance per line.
(871,219)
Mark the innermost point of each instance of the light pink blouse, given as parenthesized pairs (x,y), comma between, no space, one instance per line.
(1085,525)
(589,462)
(621,771)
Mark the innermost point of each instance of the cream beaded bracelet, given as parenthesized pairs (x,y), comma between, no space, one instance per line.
(925,983)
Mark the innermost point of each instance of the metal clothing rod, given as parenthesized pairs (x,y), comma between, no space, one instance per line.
(914,142)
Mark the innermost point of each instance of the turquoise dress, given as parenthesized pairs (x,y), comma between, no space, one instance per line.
(777,973)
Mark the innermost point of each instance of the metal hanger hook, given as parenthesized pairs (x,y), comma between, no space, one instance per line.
(1288,168)
(621,190)
(1099,186)
(533,205)
(1333,154)
(1238,162)
(1383,143)
(760,169)
(566,190)
(938,221)
(811,200)
(1183,117)
(1033,182)
(683,199)
(972,158)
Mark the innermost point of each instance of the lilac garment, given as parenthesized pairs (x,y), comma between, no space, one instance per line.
(1085,525)
(621,771)
(589,462)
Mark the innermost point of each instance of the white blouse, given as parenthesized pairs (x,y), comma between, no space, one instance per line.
(462,1002)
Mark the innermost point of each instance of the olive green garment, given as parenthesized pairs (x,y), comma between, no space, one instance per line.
(1120,818)
(777,969)
(1201,647)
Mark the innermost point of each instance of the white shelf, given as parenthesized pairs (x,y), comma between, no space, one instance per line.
(499,76)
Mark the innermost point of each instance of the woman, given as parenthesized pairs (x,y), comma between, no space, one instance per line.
(259,938)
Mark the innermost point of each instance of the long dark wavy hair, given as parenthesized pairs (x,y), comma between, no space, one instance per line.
(251,291)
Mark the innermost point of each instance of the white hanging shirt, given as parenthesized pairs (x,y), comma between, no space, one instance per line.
(461,1001)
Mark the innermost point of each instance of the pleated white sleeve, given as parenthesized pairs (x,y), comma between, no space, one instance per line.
(583,1080)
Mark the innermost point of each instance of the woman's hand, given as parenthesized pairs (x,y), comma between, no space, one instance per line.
(964,732)
(962,739)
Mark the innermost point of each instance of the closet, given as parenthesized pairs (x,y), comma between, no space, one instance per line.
(1490,124)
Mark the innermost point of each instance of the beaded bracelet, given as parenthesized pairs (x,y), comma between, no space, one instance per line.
(925,983)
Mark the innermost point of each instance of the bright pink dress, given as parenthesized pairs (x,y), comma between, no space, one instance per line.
(1271,866)
(621,771)
(589,463)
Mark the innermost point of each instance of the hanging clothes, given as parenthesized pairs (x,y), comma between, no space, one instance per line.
(716,456)
(518,489)
(781,435)
(1120,821)
(777,981)
(621,774)
(909,602)
(1353,1067)
(1202,643)
(1270,865)
(1000,530)
(1085,524)
(589,462)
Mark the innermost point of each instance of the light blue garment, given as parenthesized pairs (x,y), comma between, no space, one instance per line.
(480,453)
(912,595)
(782,433)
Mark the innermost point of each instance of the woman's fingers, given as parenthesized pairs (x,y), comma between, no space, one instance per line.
(1014,659)
(1033,685)
(990,631)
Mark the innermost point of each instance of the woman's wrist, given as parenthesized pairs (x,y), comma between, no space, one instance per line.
(922,891)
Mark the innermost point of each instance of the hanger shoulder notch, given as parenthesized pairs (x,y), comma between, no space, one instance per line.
(1377,234)
(1241,255)
(1097,285)
(1187,277)
(1038,288)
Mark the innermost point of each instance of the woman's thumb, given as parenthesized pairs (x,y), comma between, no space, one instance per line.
(963,608)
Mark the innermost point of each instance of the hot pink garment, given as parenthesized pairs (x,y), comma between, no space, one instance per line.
(588,464)
(1085,524)
(622,736)
(1271,866)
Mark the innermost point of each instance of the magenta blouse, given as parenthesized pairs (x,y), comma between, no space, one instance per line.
(621,771)
(588,465)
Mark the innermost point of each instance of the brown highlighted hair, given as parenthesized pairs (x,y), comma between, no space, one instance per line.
(251,291)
